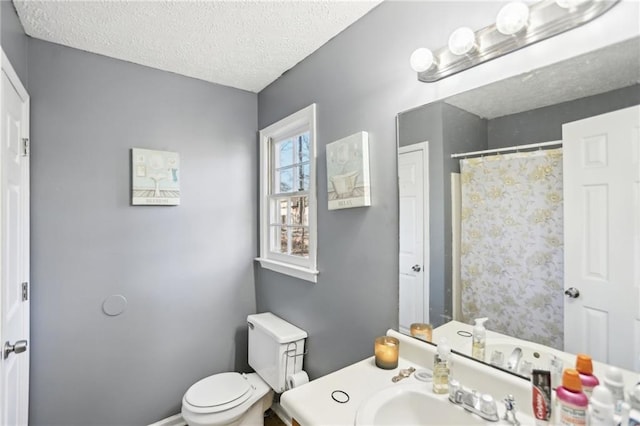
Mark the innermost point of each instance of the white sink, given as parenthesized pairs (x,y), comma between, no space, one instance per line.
(412,404)
(537,355)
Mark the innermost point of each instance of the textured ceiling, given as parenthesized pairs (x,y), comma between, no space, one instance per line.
(596,72)
(237,43)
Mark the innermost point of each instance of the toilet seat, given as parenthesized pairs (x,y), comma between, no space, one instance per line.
(219,392)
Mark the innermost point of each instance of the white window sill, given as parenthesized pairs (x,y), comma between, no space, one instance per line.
(288,269)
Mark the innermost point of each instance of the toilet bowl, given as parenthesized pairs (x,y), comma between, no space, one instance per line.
(230,399)
(275,351)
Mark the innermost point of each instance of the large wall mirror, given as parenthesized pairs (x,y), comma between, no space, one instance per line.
(456,266)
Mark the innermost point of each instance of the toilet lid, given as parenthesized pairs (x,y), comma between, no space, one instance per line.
(219,392)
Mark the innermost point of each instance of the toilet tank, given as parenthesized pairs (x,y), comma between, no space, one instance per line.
(276,348)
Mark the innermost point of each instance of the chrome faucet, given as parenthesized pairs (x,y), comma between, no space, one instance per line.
(481,404)
(514,359)
(510,406)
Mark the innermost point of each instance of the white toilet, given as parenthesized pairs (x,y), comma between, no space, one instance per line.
(233,399)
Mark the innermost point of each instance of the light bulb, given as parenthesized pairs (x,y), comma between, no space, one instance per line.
(422,59)
(462,41)
(512,18)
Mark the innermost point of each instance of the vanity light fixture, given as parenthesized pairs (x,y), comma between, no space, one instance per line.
(517,25)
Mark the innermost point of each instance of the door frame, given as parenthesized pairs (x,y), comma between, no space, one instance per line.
(423,147)
(9,71)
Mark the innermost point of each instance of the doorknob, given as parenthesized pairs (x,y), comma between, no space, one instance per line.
(416,268)
(19,347)
(572,292)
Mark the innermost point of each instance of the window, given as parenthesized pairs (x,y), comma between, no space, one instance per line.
(288,196)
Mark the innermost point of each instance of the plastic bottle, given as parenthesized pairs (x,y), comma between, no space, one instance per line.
(479,339)
(441,368)
(585,370)
(614,382)
(601,407)
(572,402)
(634,403)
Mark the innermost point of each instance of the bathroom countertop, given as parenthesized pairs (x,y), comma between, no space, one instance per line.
(311,404)
(462,343)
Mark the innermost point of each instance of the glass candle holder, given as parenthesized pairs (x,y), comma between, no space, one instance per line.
(386,350)
(422,331)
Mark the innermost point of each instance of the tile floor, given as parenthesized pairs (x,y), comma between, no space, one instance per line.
(272,419)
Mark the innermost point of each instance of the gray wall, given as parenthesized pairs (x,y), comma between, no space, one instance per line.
(545,124)
(414,126)
(448,130)
(360,80)
(187,271)
(13,39)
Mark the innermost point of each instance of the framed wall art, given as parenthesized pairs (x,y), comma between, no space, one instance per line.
(348,172)
(155,178)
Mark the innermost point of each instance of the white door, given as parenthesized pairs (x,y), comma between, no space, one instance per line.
(602,236)
(14,250)
(414,235)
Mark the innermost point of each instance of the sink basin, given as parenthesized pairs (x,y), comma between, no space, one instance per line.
(412,405)
(536,355)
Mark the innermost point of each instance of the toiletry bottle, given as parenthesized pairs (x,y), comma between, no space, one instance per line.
(601,407)
(614,382)
(441,368)
(572,402)
(585,370)
(634,403)
(556,366)
(479,339)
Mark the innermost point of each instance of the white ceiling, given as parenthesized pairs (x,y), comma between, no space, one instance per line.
(238,43)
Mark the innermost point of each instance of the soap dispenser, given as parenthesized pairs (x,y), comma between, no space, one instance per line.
(442,367)
(479,339)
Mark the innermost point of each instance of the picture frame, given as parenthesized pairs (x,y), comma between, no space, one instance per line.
(155,178)
(348,182)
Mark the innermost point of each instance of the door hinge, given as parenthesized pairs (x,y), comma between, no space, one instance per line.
(25,147)
(25,291)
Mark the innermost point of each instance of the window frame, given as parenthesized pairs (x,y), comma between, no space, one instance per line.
(300,267)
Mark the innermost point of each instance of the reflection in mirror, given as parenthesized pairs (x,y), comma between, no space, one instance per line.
(546,212)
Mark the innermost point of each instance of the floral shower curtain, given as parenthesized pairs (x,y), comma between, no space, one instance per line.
(512,244)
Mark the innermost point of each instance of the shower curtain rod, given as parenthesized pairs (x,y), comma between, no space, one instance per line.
(507,149)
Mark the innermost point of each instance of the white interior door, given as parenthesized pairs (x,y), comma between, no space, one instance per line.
(414,235)
(602,236)
(14,249)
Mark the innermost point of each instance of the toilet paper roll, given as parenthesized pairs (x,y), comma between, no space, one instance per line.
(297,379)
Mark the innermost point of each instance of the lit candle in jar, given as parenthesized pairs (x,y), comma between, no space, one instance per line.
(386,352)
(422,331)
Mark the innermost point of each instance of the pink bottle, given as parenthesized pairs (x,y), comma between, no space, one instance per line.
(572,402)
(585,370)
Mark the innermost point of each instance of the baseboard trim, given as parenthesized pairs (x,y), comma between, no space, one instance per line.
(176,420)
